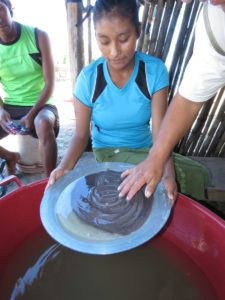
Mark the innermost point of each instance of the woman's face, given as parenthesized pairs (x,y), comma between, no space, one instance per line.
(116,37)
(6,23)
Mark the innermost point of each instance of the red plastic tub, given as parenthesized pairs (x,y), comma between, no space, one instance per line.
(198,232)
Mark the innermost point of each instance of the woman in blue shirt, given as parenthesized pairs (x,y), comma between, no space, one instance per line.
(119,94)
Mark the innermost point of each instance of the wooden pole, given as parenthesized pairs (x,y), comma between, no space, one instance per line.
(74,10)
(171,30)
(220,149)
(156,27)
(181,46)
(191,141)
(143,26)
(89,35)
(148,28)
(164,27)
(212,133)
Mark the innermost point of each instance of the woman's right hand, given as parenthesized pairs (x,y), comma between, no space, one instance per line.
(55,175)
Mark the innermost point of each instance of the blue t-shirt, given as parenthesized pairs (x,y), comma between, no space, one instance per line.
(120,116)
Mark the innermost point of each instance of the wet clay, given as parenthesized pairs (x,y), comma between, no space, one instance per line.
(96,201)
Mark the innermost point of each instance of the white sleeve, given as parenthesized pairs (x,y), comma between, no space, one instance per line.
(201,80)
(205,72)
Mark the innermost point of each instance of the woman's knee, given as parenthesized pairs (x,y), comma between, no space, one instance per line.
(43,126)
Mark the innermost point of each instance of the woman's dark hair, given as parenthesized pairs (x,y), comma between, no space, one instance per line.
(124,8)
(8,4)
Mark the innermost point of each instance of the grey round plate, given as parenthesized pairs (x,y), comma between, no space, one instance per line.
(63,225)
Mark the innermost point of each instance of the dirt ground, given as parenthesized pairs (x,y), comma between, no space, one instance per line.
(63,96)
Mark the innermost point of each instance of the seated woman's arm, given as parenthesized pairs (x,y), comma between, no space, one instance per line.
(77,144)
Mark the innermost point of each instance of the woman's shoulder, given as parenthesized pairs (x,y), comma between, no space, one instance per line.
(30,36)
(26,28)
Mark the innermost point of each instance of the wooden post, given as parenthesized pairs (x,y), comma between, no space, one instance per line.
(89,35)
(74,10)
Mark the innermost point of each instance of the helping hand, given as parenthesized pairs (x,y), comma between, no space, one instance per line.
(148,172)
(134,178)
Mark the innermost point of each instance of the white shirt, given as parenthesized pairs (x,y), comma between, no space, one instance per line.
(205,72)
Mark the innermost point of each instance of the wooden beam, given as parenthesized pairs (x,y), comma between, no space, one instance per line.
(74,10)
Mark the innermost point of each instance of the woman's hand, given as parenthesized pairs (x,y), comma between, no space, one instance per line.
(148,172)
(171,187)
(55,175)
(27,121)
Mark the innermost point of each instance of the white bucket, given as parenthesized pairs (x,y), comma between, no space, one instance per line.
(30,157)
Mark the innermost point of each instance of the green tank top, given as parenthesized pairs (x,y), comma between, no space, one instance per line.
(20,69)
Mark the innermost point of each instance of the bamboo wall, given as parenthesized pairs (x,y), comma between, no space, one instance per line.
(167,31)
(161,38)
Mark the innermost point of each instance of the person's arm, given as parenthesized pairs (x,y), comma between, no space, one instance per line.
(77,144)
(179,117)
(159,107)
(48,74)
